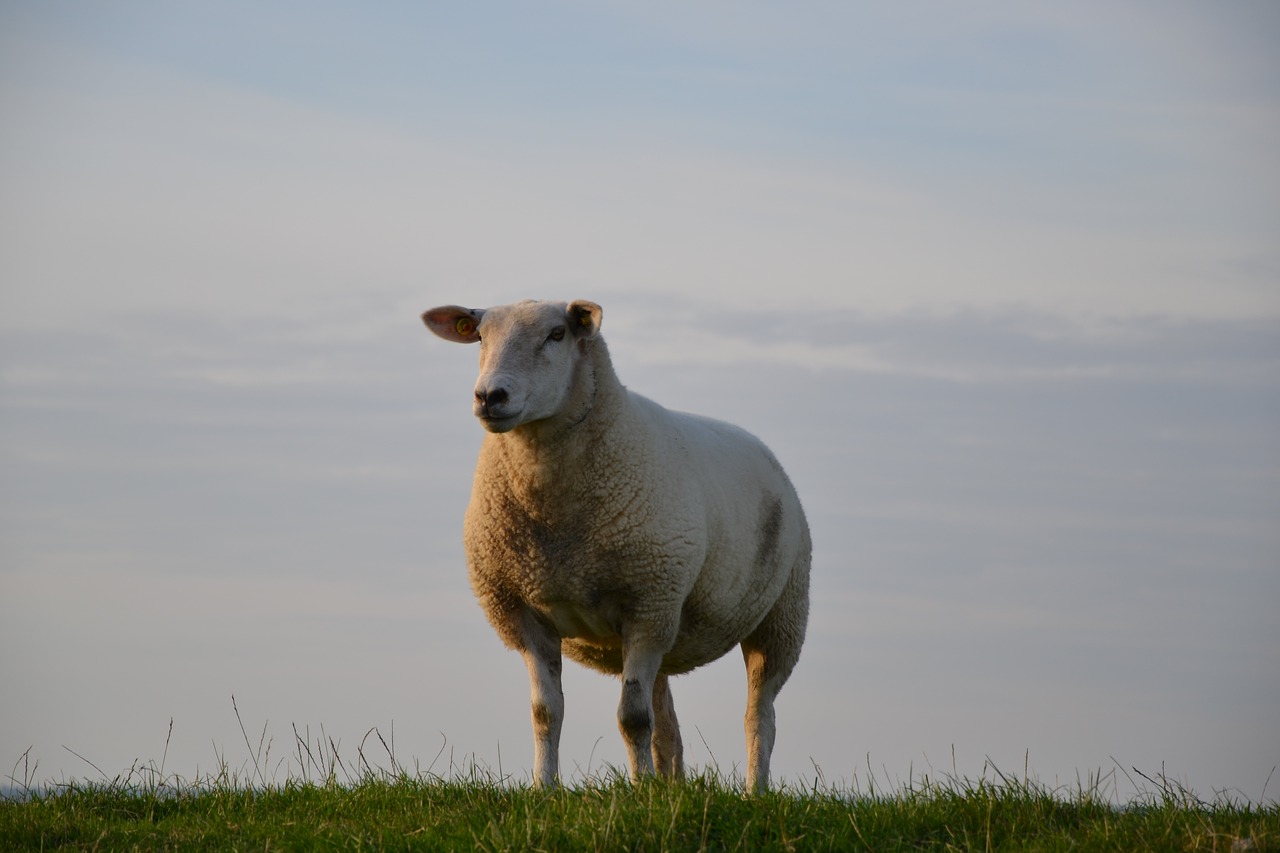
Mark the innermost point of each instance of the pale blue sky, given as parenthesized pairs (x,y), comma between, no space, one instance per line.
(998,284)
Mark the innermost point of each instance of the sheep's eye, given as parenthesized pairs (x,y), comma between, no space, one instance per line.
(557,334)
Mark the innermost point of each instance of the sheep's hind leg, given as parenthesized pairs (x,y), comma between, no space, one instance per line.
(668,749)
(771,653)
(541,651)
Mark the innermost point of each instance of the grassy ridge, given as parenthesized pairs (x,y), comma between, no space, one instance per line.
(703,813)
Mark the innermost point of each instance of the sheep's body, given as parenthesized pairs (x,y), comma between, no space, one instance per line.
(635,540)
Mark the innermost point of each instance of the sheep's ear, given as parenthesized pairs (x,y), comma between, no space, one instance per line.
(460,325)
(584,318)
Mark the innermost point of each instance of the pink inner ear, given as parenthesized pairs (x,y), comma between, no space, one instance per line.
(453,323)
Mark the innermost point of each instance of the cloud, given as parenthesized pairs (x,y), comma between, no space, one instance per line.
(144,181)
(1001,345)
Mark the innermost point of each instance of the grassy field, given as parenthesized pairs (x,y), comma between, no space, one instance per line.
(327,801)
(395,810)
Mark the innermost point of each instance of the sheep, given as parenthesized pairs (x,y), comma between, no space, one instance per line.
(635,540)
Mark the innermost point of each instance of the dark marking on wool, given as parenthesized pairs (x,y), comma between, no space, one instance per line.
(542,719)
(770,530)
(635,716)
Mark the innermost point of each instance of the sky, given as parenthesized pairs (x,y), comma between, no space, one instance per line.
(999,284)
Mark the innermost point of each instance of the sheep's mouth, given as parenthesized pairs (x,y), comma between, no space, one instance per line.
(499,423)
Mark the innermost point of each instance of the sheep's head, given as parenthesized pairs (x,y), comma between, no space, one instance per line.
(529,354)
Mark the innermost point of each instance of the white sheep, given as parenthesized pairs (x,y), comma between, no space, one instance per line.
(635,540)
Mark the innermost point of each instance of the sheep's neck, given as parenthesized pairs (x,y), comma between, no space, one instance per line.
(544,460)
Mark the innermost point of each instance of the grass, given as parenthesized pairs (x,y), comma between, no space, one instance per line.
(703,813)
(331,803)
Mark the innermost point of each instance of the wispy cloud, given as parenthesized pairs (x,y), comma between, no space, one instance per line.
(1000,345)
(144,180)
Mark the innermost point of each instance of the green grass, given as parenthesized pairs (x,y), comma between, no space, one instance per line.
(703,813)
(327,803)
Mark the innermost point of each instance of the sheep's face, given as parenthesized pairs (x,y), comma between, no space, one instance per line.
(529,354)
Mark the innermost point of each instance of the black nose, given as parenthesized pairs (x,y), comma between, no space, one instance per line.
(494,397)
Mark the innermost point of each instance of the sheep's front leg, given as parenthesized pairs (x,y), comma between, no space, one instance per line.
(542,655)
(640,666)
